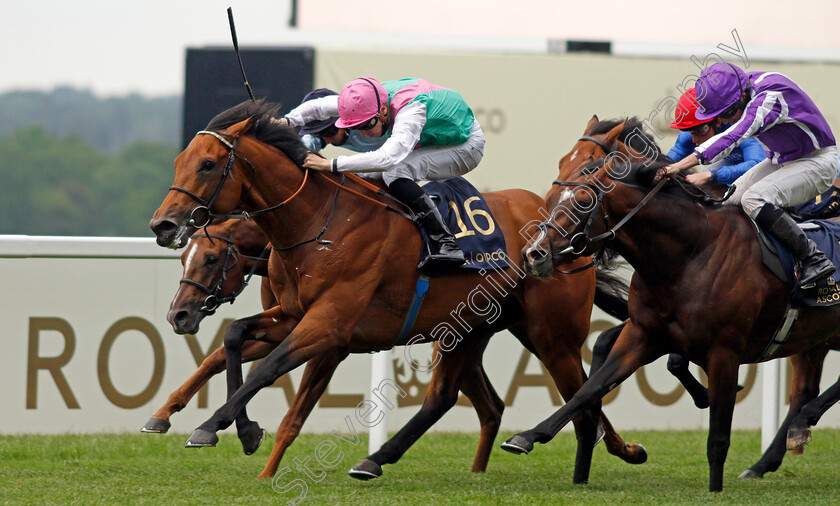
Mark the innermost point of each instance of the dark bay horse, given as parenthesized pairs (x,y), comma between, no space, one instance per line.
(343,273)
(626,140)
(700,289)
(627,137)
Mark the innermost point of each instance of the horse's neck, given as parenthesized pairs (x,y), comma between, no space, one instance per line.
(664,236)
(276,180)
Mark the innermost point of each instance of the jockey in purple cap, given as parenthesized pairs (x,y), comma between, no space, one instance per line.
(802,156)
(433,135)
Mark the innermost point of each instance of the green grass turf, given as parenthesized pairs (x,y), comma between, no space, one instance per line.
(142,468)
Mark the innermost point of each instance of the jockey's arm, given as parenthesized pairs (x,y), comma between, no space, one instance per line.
(763,110)
(405,134)
(311,110)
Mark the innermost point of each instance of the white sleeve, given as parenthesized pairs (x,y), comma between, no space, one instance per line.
(311,110)
(405,134)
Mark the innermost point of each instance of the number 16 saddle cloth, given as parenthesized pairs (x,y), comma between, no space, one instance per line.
(470,221)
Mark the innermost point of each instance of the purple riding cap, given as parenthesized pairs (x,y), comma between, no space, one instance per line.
(778,114)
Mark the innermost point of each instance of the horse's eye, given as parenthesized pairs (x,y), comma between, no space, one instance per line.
(207,166)
(211,259)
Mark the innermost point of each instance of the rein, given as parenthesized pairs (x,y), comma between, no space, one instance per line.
(232,156)
(212,302)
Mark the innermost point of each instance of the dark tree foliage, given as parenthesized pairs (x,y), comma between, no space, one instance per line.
(64,186)
(75,164)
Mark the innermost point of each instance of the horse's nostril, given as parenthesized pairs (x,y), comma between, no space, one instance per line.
(180,317)
(164,231)
(536,254)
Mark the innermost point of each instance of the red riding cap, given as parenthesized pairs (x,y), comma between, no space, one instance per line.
(685,113)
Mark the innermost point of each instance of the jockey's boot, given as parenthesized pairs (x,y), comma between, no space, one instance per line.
(814,264)
(444,254)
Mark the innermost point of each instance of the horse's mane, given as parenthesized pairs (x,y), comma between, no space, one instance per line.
(640,143)
(265,127)
(643,175)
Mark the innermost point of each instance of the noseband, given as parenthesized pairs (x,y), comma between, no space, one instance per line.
(232,258)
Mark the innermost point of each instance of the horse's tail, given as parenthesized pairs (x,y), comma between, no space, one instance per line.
(611,291)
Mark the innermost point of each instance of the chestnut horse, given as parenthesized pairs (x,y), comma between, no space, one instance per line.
(343,273)
(717,317)
(217,266)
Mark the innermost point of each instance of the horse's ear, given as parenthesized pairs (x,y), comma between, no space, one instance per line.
(591,124)
(240,128)
(613,134)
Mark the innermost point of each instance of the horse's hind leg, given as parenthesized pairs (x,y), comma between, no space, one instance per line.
(488,406)
(212,365)
(807,370)
(799,433)
(441,395)
(316,377)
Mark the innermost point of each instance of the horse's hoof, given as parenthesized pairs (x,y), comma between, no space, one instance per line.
(156,426)
(640,457)
(366,470)
(798,438)
(749,474)
(518,445)
(201,438)
(251,438)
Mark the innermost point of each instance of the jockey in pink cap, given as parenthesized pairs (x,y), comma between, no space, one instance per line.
(801,151)
(433,135)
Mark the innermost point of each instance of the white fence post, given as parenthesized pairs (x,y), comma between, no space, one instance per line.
(769,402)
(380,370)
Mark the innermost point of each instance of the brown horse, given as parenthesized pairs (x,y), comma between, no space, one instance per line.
(627,140)
(217,266)
(600,139)
(717,317)
(347,275)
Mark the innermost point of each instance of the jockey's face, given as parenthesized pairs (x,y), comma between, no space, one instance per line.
(337,139)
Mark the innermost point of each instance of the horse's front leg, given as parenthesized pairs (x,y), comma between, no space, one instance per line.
(631,351)
(271,327)
(320,331)
(212,365)
(722,367)
(319,370)
(678,366)
(807,370)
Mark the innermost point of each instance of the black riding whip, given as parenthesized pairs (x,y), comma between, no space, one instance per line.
(236,49)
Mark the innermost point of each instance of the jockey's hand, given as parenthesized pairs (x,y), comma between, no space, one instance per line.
(316,162)
(668,170)
(699,178)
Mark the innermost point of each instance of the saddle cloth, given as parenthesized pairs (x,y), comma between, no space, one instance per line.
(782,262)
(470,221)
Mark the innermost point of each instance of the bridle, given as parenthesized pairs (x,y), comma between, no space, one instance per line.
(232,258)
(582,237)
(205,205)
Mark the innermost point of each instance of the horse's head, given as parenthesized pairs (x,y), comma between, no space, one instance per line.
(214,174)
(612,143)
(216,267)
